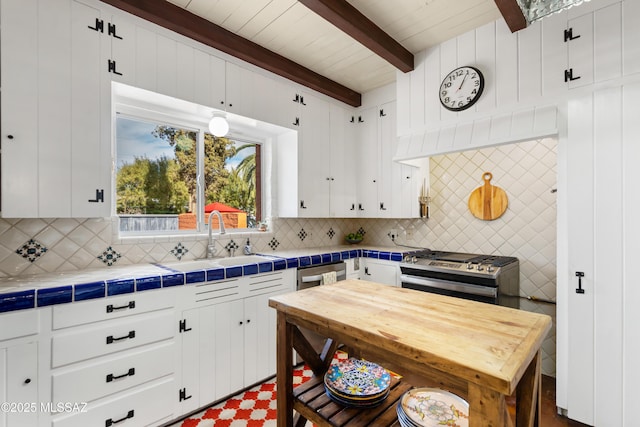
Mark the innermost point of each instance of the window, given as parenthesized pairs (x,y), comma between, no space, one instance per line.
(169,177)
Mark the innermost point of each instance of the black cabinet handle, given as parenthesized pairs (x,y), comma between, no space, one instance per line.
(99,196)
(131,372)
(302,206)
(111,421)
(302,100)
(27,380)
(568,75)
(183,395)
(111,308)
(366,271)
(9,136)
(353,207)
(579,275)
(248,320)
(382,208)
(568,35)
(296,122)
(130,335)
(353,119)
(182,326)
(360,119)
(360,208)
(382,113)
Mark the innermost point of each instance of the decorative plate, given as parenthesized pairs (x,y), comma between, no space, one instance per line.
(431,407)
(355,402)
(357,378)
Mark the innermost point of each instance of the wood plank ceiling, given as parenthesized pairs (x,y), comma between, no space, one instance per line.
(294,32)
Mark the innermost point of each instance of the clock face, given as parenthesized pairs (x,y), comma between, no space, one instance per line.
(461,88)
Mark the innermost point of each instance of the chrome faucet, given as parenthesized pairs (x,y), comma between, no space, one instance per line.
(210,247)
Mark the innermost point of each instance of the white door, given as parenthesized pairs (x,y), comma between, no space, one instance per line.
(598,286)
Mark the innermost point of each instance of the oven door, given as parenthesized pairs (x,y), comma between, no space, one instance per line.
(468,291)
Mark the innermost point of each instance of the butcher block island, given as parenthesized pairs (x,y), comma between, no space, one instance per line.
(481,352)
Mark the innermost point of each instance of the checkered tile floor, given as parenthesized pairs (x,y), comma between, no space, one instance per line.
(253,408)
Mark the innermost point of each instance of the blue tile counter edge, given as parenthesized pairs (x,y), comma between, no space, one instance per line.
(46,296)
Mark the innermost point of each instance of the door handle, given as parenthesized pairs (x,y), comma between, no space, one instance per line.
(579,275)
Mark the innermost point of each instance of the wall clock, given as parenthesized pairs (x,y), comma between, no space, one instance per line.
(461,88)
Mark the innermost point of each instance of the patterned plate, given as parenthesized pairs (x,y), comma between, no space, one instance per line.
(431,407)
(357,378)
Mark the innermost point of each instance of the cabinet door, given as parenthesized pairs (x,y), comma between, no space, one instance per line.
(239,90)
(19,383)
(390,181)
(189,390)
(221,357)
(259,338)
(580,52)
(369,163)
(19,58)
(90,169)
(315,168)
(343,163)
(380,271)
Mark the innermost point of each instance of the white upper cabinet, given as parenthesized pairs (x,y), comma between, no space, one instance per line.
(314,158)
(368,162)
(56,152)
(343,163)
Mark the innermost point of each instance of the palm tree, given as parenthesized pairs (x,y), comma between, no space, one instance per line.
(247,167)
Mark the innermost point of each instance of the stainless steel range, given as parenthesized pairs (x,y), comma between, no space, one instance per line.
(487,278)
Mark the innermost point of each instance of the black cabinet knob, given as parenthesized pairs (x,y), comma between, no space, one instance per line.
(10,136)
(27,381)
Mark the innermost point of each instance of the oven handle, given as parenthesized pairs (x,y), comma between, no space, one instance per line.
(467,288)
(318,277)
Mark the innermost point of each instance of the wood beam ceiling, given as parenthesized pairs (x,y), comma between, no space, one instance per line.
(183,22)
(355,24)
(512,14)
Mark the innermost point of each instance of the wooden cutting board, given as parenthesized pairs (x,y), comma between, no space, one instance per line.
(488,202)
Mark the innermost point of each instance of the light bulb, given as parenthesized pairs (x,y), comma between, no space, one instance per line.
(218,126)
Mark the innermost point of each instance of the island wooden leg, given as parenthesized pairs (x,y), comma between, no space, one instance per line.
(284,373)
(487,408)
(529,395)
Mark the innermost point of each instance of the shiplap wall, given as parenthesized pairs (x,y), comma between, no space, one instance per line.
(524,78)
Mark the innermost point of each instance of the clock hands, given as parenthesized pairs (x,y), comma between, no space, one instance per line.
(465,78)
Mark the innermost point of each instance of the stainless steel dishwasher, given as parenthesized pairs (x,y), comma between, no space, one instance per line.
(309,277)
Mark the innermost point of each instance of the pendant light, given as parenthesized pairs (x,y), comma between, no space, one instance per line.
(218,125)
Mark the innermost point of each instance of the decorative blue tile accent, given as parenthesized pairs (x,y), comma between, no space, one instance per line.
(396,256)
(172,280)
(326,258)
(196,277)
(304,261)
(316,259)
(50,296)
(293,262)
(21,300)
(265,267)
(345,255)
(85,291)
(335,256)
(384,255)
(109,256)
(148,283)
(279,264)
(233,272)
(31,250)
(249,269)
(120,286)
(215,274)
(179,250)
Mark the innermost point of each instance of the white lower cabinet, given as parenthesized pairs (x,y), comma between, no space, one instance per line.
(380,271)
(149,405)
(19,383)
(230,343)
(116,359)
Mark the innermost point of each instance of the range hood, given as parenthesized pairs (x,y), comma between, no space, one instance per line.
(482,131)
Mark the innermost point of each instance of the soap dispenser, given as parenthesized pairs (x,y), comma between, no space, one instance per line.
(247,248)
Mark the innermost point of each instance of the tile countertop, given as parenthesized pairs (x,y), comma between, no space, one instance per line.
(25,292)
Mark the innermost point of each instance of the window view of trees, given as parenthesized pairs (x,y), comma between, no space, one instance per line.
(156,180)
